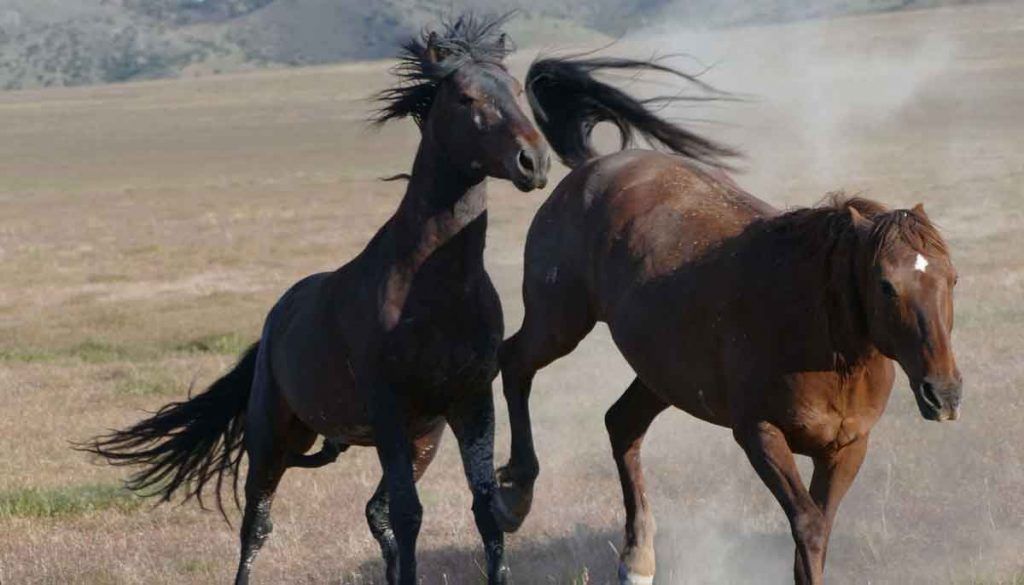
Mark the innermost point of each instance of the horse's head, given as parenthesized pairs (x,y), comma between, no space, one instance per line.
(456,88)
(907,282)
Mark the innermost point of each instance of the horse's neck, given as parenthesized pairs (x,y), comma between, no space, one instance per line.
(826,316)
(439,203)
(844,308)
(442,208)
(835,335)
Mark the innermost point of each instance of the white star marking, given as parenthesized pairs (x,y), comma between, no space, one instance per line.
(921,263)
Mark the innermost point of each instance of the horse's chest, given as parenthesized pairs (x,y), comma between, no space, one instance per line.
(437,353)
(821,412)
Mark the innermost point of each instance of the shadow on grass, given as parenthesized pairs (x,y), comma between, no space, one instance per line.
(584,557)
(589,557)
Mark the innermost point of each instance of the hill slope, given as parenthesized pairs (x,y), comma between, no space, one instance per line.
(76,42)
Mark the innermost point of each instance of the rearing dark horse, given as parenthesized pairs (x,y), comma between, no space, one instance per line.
(390,346)
(782,326)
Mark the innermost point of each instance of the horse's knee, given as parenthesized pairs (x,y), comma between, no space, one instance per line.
(406,517)
(810,528)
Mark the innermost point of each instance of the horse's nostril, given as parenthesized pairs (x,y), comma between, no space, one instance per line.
(526,161)
(928,391)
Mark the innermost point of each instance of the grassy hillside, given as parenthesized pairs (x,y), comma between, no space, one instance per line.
(79,42)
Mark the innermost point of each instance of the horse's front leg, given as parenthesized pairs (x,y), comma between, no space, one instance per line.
(472,420)
(769,453)
(390,416)
(515,492)
(833,476)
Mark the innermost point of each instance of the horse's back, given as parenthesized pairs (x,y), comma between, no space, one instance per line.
(633,216)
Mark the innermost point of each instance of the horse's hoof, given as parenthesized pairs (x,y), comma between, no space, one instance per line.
(512,500)
(507,517)
(626,577)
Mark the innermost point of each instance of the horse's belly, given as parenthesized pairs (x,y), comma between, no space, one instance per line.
(329,403)
(341,411)
(677,371)
(697,397)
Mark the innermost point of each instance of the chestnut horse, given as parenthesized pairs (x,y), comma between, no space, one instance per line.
(782,326)
(385,350)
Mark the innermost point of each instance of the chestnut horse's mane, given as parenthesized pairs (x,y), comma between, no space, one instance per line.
(827,231)
(830,221)
(467,39)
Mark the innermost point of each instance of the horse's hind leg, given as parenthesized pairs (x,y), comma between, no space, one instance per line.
(557,318)
(627,422)
(424,449)
(272,433)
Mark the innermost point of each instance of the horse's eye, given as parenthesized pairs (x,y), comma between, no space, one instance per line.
(466,100)
(888,289)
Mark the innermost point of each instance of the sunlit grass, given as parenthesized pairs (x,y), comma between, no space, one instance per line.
(66,501)
(1014,580)
(222,344)
(90,351)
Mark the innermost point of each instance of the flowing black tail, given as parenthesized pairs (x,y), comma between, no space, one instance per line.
(568,102)
(185,445)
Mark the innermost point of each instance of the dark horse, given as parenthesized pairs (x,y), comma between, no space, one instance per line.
(782,326)
(389,347)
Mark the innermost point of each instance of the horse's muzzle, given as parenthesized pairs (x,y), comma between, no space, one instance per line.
(532,166)
(938,398)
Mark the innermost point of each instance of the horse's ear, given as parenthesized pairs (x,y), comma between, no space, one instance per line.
(858,220)
(432,53)
(919,210)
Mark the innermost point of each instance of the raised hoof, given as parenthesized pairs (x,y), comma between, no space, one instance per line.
(628,578)
(511,503)
(508,520)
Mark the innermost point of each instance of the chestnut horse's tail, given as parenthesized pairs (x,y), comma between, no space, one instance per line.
(568,102)
(187,444)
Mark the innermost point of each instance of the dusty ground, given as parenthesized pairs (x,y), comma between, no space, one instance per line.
(147,228)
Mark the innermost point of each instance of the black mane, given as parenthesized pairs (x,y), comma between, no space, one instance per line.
(568,101)
(467,39)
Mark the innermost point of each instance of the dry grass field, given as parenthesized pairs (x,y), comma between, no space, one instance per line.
(145,230)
